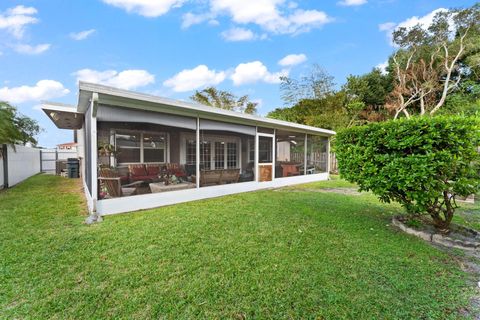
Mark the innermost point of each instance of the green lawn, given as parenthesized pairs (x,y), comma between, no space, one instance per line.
(288,253)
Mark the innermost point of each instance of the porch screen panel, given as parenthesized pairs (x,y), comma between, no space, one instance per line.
(317,156)
(162,158)
(225,153)
(116,114)
(290,154)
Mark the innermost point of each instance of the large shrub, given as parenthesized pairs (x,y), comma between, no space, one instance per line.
(422,163)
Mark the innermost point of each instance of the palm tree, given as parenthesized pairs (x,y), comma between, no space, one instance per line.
(224,100)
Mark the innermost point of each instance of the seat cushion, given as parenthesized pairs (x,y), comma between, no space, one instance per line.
(137,170)
(153,170)
(142,178)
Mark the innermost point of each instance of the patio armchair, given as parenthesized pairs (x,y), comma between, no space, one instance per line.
(112,183)
(290,170)
(177,170)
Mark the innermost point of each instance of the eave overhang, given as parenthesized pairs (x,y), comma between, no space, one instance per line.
(63,116)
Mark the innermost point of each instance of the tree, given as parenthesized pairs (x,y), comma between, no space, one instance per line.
(423,163)
(224,100)
(366,96)
(16,128)
(427,67)
(327,112)
(465,100)
(317,84)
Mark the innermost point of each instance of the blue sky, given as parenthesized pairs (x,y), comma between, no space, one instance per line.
(172,47)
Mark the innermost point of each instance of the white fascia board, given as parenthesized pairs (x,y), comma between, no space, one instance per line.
(61,107)
(193,109)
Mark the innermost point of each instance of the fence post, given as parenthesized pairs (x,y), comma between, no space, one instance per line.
(5,166)
(41,161)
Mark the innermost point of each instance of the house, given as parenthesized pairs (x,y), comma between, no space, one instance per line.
(67,146)
(167,151)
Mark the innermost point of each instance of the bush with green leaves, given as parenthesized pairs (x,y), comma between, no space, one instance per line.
(423,163)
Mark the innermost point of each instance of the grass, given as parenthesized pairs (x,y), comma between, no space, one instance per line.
(268,254)
(469,214)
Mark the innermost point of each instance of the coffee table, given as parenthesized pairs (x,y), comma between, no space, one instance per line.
(156,187)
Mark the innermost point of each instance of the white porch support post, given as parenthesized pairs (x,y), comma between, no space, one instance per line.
(256,155)
(274,152)
(306,156)
(328,156)
(197,153)
(94,152)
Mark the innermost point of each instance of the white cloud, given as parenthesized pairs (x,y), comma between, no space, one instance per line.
(292,60)
(42,90)
(146,8)
(82,35)
(255,71)
(270,15)
(189,19)
(191,79)
(16,19)
(424,22)
(387,26)
(31,50)
(382,67)
(350,3)
(238,34)
(127,79)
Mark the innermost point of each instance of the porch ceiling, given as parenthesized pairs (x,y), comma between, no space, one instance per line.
(64,117)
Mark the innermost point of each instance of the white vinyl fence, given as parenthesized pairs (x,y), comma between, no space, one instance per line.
(18,163)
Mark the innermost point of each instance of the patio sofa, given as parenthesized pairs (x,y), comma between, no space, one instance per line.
(218,176)
(152,172)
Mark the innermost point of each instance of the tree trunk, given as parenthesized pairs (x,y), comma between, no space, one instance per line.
(442,213)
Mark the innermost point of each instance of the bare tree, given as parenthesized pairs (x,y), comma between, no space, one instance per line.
(427,65)
(224,100)
(315,85)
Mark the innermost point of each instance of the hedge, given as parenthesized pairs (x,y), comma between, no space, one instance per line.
(423,163)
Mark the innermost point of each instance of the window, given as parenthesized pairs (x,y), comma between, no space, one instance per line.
(191,151)
(128,147)
(140,147)
(205,154)
(219,154)
(231,155)
(251,150)
(154,147)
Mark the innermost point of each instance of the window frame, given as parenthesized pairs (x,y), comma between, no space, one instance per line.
(166,149)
